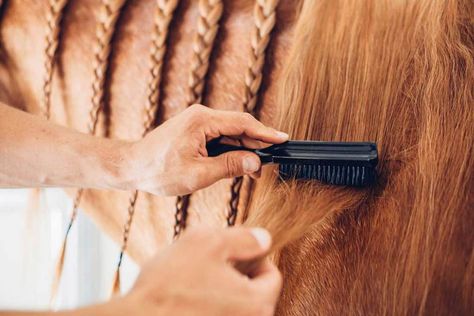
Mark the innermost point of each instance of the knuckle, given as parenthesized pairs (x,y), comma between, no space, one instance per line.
(247,118)
(197,107)
(232,166)
(197,113)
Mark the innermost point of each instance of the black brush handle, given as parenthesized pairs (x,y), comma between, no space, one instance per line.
(307,152)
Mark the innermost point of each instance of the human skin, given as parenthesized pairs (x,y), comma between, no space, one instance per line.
(172,159)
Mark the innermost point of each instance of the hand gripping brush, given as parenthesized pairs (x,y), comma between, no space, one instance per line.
(335,163)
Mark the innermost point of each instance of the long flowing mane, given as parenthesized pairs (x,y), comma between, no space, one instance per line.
(399,73)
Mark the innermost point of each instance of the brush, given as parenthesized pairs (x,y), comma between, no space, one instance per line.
(335,163)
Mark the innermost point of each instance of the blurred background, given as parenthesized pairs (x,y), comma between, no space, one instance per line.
(30,240)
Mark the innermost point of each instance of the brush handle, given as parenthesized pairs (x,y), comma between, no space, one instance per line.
(307,152)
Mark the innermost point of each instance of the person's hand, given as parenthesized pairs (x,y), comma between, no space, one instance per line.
(173,160)
(197,276)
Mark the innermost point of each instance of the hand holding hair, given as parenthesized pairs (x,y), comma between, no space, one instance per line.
(197,275)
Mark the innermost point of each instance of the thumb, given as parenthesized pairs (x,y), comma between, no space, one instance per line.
(233,164)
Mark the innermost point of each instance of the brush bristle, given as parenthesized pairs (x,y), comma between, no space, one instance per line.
(350,175)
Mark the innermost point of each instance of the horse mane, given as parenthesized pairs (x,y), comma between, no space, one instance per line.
(400,73)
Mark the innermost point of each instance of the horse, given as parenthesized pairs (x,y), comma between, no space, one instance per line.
(399,73)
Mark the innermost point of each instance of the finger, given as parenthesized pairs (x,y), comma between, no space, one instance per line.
(228,123)
(242,244)
(267,278)
(244,141)
(232,164)
(256,175)
(230,141)
(253,143)
(205,171)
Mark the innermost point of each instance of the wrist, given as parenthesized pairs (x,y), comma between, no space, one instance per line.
(116,165)
(137,167)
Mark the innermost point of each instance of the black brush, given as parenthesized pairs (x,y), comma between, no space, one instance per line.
(336,163)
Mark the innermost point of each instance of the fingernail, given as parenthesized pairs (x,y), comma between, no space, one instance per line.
(282,135)
(262,236)
(250,164)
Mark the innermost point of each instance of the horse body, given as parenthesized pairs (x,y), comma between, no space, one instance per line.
(348,71)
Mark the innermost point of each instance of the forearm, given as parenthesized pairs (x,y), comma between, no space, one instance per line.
(170,160)
(37,153)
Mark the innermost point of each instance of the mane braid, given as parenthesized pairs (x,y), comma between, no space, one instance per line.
(210,12)
(264,18)
(105,30)
(53,18)
(163,16)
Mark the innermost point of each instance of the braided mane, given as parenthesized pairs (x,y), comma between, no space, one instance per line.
(210,11)
(53,18)
(163,16)
(110,11)
(264,18)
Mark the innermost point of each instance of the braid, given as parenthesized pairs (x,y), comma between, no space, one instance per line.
(53,18)
(264,17)
(105,31)
(62,253)
(126,234)
(163,16)
(210,12)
